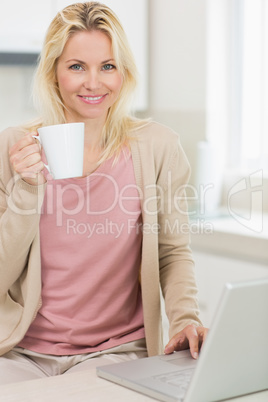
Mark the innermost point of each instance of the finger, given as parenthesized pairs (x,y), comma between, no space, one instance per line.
(21,164)
(21,155)
(193,339)
(26,140)
(33,171)
(202,332)
(25,153)
(170,347)
(177,342)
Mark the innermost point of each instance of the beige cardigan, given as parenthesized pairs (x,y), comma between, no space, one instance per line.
(161,170)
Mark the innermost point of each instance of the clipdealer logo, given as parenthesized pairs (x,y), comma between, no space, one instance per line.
(249,187)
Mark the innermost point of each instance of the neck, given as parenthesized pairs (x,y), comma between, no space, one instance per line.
(93,137)
(93,132)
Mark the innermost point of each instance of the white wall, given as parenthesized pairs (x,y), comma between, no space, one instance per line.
(178,56)
(177,78)
(15,99)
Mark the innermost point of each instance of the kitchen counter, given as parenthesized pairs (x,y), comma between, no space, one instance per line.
(84,386)
(238,237)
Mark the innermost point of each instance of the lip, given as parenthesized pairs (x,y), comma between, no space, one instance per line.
(92,100)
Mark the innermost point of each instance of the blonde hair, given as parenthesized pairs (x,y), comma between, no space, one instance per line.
(87,17)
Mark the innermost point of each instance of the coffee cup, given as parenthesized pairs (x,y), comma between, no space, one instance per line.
(63,145)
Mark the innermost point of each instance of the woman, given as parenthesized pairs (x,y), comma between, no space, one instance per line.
(78,283)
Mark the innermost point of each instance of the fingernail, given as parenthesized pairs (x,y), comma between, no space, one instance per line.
(167,349)
(195,356)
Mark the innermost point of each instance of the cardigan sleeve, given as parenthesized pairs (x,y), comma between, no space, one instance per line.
(177,275)
(20,205)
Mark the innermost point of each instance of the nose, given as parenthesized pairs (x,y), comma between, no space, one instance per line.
(92,80)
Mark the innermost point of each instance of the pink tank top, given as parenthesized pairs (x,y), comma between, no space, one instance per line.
(90,232)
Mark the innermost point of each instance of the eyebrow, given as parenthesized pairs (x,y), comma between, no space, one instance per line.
(108,61)
(83,62)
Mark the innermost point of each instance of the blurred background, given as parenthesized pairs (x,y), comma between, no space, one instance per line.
(203,68)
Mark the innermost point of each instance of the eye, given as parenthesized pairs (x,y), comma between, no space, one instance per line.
(108,67)
(76,67)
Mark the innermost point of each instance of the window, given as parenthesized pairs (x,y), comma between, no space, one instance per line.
(237,82)
(249,70)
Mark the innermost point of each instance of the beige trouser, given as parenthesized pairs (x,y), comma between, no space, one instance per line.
(22,364)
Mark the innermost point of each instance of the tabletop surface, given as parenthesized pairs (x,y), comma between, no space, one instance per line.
(84,386)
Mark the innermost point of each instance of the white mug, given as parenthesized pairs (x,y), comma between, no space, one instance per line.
(63,145)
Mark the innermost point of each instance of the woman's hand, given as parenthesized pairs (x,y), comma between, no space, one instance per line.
(190,337)
(25,157)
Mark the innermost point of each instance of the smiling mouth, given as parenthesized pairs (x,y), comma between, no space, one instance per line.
(93,98)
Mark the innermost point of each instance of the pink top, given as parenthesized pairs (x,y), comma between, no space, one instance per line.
(90,253)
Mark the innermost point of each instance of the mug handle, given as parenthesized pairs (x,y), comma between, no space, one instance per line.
(36,136)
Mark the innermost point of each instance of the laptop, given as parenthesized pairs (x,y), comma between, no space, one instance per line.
(232,362)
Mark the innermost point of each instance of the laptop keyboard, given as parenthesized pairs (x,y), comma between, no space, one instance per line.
(180,379)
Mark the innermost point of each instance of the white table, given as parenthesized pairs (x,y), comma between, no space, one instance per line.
(83,386)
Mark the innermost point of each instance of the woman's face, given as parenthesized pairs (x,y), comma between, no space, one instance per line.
(87,76)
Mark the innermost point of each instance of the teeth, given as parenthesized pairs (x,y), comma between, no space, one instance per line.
(92,98)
